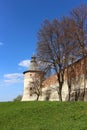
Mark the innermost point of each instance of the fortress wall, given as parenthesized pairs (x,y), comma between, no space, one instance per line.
(49,91)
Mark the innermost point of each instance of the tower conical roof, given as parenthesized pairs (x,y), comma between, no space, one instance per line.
(33,64)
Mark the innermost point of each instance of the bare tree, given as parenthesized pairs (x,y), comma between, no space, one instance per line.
(37,84)
(70,48)
(61,43)
(50,49)
(35,87)
(37,79)
(79,15)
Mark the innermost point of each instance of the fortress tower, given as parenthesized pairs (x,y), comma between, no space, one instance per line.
(29,76)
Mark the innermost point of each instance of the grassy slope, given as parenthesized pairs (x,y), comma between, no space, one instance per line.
(43,116)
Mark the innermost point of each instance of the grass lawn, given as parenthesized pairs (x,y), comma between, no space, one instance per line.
(43,116)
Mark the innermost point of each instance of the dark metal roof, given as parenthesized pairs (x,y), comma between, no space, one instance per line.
(38,71)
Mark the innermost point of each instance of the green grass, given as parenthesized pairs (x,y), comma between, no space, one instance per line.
(43,116)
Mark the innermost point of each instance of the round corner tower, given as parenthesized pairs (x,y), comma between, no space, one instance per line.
(28,79)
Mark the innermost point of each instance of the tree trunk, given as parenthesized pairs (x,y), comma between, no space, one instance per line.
(37,97)
(60,93)
(69,90)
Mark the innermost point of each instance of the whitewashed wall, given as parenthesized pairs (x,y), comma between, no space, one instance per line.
(50,92)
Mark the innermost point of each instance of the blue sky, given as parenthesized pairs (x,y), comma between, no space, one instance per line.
(20,21)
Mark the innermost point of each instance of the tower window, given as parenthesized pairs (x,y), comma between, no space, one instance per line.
(30,94)
(30,88)
(30,74)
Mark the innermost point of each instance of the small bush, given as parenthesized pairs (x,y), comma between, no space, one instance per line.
(18,98)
